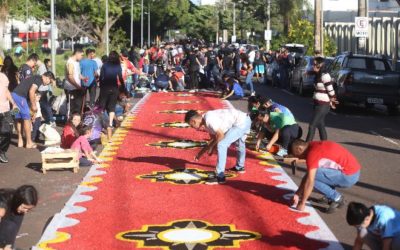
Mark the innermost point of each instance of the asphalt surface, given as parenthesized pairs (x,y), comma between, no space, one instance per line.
(371,135)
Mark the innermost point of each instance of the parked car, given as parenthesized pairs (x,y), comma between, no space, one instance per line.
(366,79)
(301,82)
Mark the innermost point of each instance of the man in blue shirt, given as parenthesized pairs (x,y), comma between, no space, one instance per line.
(276,107)
(89,72)
(235,91)
(377,226)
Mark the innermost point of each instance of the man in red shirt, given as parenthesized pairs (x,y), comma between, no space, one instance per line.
(329,166)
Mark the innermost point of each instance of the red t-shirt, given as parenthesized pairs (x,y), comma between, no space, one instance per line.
(68,137)
(328,154)
(177,76)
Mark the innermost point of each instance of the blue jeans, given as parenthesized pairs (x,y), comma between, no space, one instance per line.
(327,180)
(249,81)
(238,135)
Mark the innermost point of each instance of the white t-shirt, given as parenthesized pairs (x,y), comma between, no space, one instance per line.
(252,56)
(72,67)
(224,119)
(99,64)
(39,111)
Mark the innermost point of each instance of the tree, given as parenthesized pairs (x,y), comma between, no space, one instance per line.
(95,13)
(303,32)
(73,26)
(202,23)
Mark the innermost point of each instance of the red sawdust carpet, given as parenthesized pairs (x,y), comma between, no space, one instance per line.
(141,204)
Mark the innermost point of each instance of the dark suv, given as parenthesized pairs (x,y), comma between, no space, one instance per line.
(366,79)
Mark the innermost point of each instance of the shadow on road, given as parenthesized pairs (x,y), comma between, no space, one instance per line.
(373,147)
(359,184)
(170,162)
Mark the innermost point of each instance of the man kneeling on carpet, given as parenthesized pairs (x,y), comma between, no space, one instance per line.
(277,127)
(86,155)
(225,127)
(329,166)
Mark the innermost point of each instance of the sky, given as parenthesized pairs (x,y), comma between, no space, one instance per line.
(328,4)
(336,5)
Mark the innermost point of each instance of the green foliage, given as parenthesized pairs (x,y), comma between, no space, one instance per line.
(202,23)
(303,32)
(119,39)
(36,8)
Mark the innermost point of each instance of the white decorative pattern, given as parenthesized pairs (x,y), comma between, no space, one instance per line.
(61,219)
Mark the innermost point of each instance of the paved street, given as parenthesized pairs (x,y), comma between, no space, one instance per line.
(371,135)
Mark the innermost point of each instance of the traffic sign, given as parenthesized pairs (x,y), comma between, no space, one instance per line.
(361,26)
(268,35)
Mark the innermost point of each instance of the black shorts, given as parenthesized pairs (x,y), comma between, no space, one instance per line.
(108,99)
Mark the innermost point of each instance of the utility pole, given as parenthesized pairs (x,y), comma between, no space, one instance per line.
(131,23)
(234,19)
(141,26)
(53,39)
(268,42)
(217,34)
(362,12)
(317,25)
(107,33)
(27,28)
(322,27)
(148,24)
(224,31)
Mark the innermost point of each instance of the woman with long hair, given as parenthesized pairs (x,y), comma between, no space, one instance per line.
(324,99)
(70,132)
(110,82)
(21,201)
(11,71)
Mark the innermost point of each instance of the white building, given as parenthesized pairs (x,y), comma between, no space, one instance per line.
(347,10)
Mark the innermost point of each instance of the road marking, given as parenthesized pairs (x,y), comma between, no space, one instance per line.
(385,138)
(287,92)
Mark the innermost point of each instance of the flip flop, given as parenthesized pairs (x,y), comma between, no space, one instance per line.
(33,146)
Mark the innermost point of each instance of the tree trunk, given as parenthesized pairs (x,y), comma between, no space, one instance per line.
(286,24)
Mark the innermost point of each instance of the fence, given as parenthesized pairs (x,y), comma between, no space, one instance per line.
(383,36)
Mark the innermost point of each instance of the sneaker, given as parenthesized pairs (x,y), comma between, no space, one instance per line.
(253,93)
(282,152)
(237,170)
(215,180)
(334,205)
(323,200)
(3,158)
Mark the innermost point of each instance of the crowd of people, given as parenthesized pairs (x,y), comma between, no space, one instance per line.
(97,92)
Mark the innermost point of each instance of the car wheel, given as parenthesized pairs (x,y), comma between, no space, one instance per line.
(393,109)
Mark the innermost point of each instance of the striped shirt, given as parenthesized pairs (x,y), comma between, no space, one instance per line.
(324,91)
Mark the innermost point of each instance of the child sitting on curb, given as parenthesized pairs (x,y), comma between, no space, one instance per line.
(86,155)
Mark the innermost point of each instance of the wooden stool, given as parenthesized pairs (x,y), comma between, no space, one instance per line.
(65,159)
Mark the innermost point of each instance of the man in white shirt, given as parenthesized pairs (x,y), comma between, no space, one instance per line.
(73,82)
(225,127)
